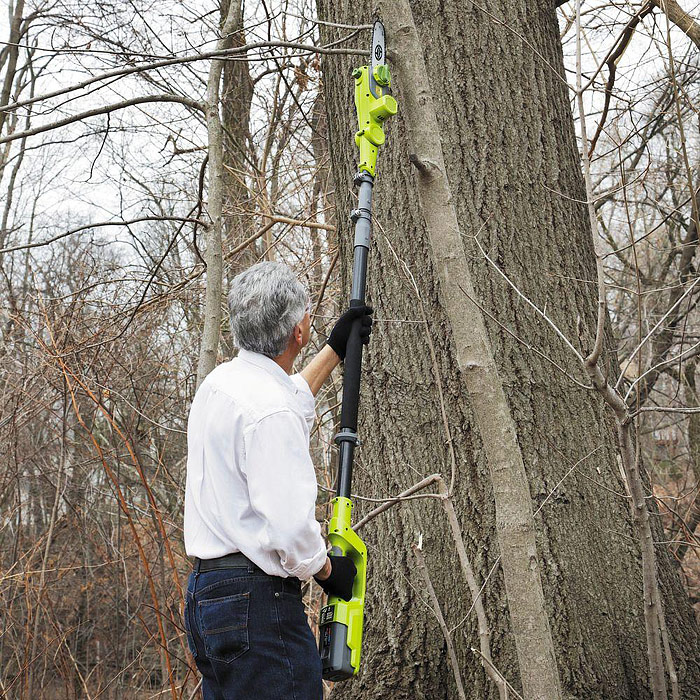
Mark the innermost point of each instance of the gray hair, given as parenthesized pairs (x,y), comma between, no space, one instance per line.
(265,303)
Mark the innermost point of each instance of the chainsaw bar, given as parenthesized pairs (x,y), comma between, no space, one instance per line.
(378,57)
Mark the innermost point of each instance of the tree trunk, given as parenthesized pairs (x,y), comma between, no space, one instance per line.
(693,517)
(511,160)
(236,98)
(11,57)
(216,196)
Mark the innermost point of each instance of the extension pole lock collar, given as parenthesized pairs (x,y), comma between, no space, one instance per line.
(346,435)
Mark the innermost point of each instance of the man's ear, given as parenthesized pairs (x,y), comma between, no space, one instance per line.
(298,333)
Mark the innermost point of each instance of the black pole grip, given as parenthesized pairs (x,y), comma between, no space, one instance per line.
(352,373)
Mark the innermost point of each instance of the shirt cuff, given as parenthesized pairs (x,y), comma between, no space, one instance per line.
(309,567)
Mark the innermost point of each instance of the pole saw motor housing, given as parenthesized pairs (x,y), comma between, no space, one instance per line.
(372,111)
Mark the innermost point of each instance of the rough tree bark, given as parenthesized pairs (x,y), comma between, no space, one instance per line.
(236,98)
(510,155)
(515,528)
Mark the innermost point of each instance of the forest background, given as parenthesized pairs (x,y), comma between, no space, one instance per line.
(150,151)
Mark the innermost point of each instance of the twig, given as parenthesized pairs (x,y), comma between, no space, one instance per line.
(441,620)
(510,690)
(477,603)
(324,284)
(436,368)
(531,348)
(653,330)
(196,690)
(515,288)
(433,478)
(666,409)
(277,219)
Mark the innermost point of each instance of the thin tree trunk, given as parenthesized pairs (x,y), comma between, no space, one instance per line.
(12,54)
(215,202)
(49,541)
(651,595)
(693,518)
(236,100)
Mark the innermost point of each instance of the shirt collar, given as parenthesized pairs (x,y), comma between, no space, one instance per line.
(269,365)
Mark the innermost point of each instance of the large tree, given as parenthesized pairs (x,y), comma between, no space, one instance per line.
(498,87)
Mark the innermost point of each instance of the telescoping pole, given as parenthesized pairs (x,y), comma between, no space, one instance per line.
(341,621)
(347,437)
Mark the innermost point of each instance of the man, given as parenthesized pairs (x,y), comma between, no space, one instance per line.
(250,498)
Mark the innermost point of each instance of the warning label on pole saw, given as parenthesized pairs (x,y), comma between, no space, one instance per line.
(326,615)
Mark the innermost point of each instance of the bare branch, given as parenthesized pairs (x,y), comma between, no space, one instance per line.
(99,224)
(105,109)
(680,18)
(205,56)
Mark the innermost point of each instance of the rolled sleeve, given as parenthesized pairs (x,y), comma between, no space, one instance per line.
(282,489)
(307,401)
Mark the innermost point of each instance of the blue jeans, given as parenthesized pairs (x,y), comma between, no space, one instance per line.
(249,636)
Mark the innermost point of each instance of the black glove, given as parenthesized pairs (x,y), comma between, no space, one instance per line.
(339,583)
(338,339)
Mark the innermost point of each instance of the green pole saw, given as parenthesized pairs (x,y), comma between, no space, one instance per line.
(341,621)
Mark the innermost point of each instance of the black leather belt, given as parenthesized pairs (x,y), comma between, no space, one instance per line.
(228,561)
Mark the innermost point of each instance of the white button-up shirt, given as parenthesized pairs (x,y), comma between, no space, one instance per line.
(251,485)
